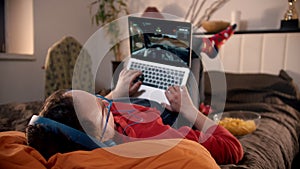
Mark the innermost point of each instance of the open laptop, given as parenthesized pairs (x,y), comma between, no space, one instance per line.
(161,49)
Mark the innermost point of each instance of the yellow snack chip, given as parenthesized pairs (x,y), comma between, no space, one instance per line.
(238,127)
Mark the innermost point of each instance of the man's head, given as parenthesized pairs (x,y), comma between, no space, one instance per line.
(92,113)
(77,109)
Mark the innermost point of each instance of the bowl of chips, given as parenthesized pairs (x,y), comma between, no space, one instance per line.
(238,123)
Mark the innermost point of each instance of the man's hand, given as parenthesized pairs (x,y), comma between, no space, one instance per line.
(179,98)
(181,102)
(125,86)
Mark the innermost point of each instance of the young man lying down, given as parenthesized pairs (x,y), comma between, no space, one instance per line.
(110,122)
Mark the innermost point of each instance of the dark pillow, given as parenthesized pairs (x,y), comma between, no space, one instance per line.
(15,116)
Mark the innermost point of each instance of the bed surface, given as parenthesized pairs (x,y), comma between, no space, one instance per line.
(15,116)
(273,145)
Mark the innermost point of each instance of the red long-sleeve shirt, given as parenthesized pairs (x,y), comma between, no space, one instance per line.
(135,122)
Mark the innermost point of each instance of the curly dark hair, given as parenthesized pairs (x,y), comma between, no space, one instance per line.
(58,107)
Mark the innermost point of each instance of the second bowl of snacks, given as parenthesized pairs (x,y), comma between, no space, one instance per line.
(238,123)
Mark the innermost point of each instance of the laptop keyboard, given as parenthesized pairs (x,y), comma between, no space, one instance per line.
(159,77)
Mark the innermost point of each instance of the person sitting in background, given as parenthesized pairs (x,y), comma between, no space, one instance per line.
(111,122)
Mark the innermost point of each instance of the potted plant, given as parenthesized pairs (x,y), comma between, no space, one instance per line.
(106,12)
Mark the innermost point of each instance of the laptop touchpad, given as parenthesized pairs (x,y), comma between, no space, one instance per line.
(154,94)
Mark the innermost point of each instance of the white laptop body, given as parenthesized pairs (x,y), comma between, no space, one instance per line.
(161,49)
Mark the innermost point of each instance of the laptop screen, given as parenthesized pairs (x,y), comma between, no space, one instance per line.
(160,41)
